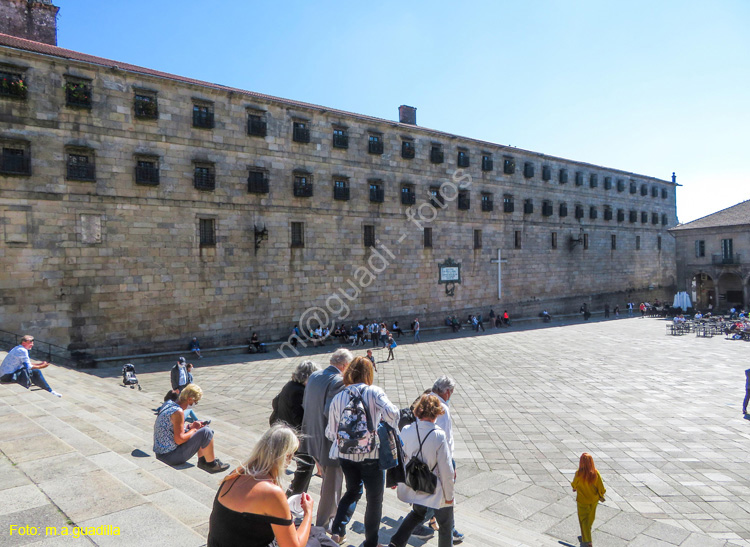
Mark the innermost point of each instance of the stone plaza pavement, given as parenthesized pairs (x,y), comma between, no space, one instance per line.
(660,414)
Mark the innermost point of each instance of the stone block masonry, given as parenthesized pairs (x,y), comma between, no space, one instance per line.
(99,259)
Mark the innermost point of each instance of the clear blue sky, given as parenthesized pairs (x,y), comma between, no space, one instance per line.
(645,86)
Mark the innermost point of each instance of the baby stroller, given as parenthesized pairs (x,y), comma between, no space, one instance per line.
(129,378)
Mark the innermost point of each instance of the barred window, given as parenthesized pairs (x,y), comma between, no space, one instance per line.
(298,234)
(207,227)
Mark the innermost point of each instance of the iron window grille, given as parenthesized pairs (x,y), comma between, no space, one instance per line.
(579,212)
(12,85)
(633,217)
(15,161)
(528,170)
(563,176)
(298,234)
(620,215)
(368,235)
(462,159)
(593,213)
(508,205)
(147,172)
(145,106)
(78,94)
(408,197)
(204,178)
(509,166)
(464,200)
(203,118)
(256,126)
(407,150)
(477,239)
(340,139)
(257,182)
(436,155)
(487,203)
(528,207)
(547,209)
(377,194)
(428,238)
(375,145)
(579,178)
(563,212)
(300,132)
(303,186)
(593,180)
(80,167)
(436,198)
(207,228)
(341,190)
(487,163)
(546,173)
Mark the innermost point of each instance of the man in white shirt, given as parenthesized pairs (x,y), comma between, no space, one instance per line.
(17,367)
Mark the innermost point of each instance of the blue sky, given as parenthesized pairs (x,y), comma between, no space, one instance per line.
(645,86)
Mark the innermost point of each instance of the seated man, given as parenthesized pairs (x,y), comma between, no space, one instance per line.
(17,367)
(175,442)
(195,347)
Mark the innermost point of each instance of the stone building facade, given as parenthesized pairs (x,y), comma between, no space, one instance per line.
(141,208)
(713,259)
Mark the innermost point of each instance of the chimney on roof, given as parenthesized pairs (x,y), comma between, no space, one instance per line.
(29,19)
(407,114)
(674,178)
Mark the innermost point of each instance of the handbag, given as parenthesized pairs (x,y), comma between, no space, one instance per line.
(419,476)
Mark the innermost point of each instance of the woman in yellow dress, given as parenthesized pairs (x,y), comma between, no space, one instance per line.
(589,492)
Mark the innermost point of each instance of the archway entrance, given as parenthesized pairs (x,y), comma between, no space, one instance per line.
(703,292)
(730,291)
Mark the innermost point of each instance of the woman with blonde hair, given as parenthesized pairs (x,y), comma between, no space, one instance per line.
(590,490)
(250,508)
(359,457)
(175,442)
(426,441)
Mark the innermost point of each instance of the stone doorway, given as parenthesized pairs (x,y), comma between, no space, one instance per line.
(703,292)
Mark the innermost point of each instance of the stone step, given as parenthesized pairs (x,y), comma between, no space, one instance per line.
(60,477)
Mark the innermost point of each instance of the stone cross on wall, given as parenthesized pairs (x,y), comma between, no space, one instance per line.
(499,261)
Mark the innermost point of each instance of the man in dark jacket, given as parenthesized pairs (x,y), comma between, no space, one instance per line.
(179,375)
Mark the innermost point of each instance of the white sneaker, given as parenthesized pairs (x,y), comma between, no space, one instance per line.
(55,393)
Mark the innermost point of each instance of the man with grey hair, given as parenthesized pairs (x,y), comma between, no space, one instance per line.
(322,387)
(443,388)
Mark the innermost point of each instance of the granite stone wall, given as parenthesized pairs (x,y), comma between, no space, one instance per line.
(110,266)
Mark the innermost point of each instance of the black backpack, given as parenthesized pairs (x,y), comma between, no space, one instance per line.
(419,476)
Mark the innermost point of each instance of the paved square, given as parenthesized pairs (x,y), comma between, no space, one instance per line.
(660,414)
